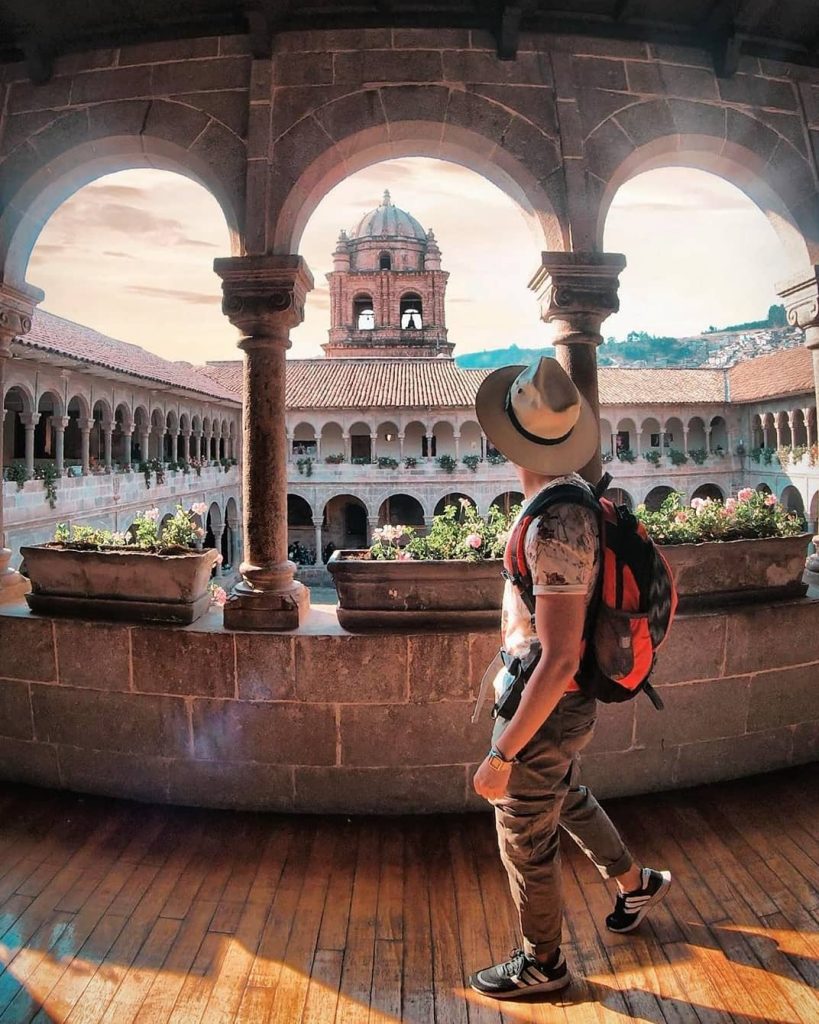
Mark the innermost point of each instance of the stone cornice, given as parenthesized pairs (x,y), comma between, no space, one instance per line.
(264,296)
(576,292)
(17,307)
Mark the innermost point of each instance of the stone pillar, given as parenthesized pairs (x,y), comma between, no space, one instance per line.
(457,447)
(318,448)
(127,444)
(808,431)
(576,292)
(59,423)
(347,447)
(317,529)
(186,445)
(16,312)
(429,445)
(217,544)
(107,436)
(639,439)
(174,446)
(778,432)
(289,443)
(86,426)
(197,444)
(708,440)
(29,421)
(264,298)
(801,298)
(145,445)
(372,525)
(685,439)
(400,447)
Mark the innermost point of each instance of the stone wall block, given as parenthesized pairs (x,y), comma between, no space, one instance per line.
(415,102)
(420,734)
(291,104)
(230,108)
(261,81)
(483,648)
(470,67)
(351,114)
(405,790)
(695,649)
(606,149)
(27,648)
(98,720)
(90,60)
(183,662)
(749,132)
(175,122)
(32,763)
(645,122)
(536,104)
(258,136)
(689,83)
(594,106)
(707,709)
(230,46)
(784,697)
(687,55)
(297,149)
(806,743)
(15,710)
(810,99)
(62,134)
(600,73)
(531,147)
(732,758)
(93,654)
(439,668)
(49,96)
(231,785)
(748,90)
(692,118)
(790,175)
(641,770)
(359,67)
(351,669)
(227,156)
(169,50)
(17,128)
(201,76)
(271,733)
(770,636)
(125,776)
(430,39)
(644,77)
(615,726)
(111,84)
(265,667)
(473,113)
(293,69)
(325,41)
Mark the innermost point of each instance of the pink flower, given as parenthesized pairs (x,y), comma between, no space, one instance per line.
(404,556)
(199,508)
(474,540)
(199,532)
(745,494)
(218,596)
(730,504)
(698,504)
(219,559)
(681,516)
(152,513)
(770,500)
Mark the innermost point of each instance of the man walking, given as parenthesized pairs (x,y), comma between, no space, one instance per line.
(536,417)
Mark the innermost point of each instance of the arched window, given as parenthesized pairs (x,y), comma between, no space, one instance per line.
(411,312)
(385,261)
(363,313)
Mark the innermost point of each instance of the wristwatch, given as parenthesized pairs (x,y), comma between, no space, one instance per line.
(497,761)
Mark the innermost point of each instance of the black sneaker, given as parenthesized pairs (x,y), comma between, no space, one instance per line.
(521,975)
(632,907)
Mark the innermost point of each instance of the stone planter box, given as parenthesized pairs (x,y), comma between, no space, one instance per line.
(735,571)
(135,586)
(452,594)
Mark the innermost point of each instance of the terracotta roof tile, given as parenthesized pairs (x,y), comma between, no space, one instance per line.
(52,333)
(625,386)
(789,372)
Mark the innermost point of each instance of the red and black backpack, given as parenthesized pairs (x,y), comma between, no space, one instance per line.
(634,600)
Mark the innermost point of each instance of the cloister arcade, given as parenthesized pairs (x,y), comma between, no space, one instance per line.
(661,431)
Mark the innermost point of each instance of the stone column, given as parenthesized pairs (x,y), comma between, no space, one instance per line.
(372,525)
(59,423)
(127,444)
(217,544)
(429,445)
(708,441)
(175,447)
(145,445)
(86,426)
(16,312)
(264,298)
(289,447)
(186,445)
(685,439)
(400,447)
(576,292)
(29,421)
(801,298)
(639,440)
(318,447)
(317,529)
(197,444)
(107,432)
(457,447)
(347,447)
(808,431)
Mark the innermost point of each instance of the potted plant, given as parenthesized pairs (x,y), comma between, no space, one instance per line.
(450,578)
(155,573)
(747,548)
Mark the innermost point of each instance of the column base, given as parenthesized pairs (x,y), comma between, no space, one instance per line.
(249,609)
(13,586)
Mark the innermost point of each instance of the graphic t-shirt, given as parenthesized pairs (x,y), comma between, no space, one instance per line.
(562,556)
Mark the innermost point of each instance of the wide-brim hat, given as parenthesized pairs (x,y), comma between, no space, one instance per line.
(536,417)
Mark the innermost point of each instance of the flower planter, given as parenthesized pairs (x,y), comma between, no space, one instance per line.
(136,586)
(453,594)
(737,571)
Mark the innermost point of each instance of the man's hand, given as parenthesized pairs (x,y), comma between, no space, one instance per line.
(491,783)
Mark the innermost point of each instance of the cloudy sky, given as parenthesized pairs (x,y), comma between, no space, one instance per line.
(131,255)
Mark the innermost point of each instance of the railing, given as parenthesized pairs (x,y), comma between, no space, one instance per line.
(424,469)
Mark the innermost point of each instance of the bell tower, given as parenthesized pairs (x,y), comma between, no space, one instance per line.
(387,289)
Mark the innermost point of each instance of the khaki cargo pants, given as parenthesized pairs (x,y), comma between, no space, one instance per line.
(545,792)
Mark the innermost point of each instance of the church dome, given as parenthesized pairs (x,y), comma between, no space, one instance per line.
(388,221)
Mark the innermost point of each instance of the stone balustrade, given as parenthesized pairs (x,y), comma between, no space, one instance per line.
(319,720)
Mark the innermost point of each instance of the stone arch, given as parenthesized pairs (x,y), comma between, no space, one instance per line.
(50,402)
(656,496)
(345,521)
(415,433)
(709,490)
(792,499)
(411,311)
(362,313)
(732,145)
(18,401)
(78,405)
(799,428)
(813,513)
(401,510)
(783,425)
(332,439)
(763,488)
(299,510)
(26,395)
(80,146)
(317,152)
(386,440)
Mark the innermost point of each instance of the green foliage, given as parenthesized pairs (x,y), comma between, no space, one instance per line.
(447,463)
(458,532)
(698,455)
(776,318)
(387,462)
(359,460)
(305,466)
(410,462)
(180,531)
(18,473)
(494,357)
(496,459)
(48,473)
(750,514)
(471,462)
(626,455)
(678,457)
(653,456)
(334,460)
(152,466)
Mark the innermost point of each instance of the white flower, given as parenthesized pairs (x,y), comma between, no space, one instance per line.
(199,508)
(152,513)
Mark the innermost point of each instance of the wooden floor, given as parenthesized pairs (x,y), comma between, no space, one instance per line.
(118,912)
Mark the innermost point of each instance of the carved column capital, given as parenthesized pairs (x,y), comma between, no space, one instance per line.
(264,296)
(801,298)
(576,292)
(16,312)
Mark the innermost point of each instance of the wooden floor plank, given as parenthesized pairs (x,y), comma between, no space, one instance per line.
(115,913)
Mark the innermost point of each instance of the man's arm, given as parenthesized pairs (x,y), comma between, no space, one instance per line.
(559,620)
